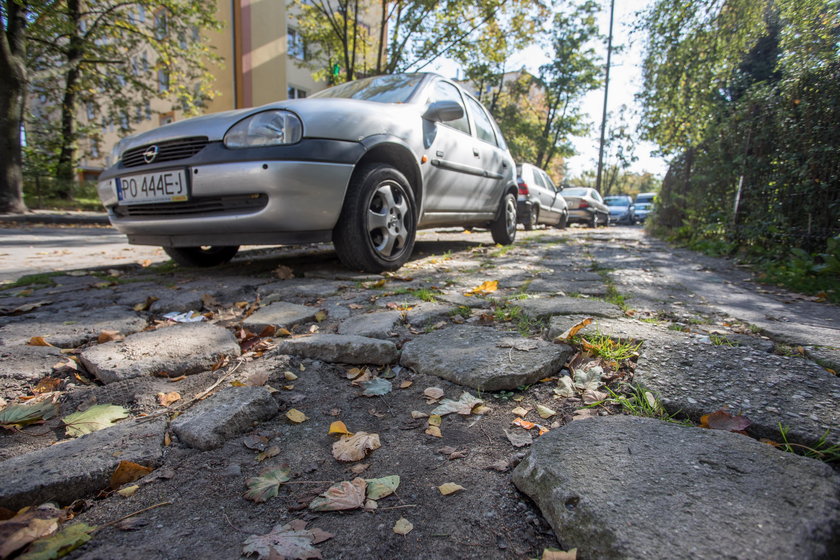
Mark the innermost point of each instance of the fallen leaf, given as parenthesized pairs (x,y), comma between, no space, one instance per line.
(94,418)
(342,496)
(416,414)
(557,554)
(448,488)
(434,431)
(502,465)
(370,505)
(338,427)
(19,415)
(25,527)
(128,491)
(272,451)
(68,539)
(565,388)
(433,394)
(359,468)
(403,526)
(569,333)
(376,387)
(146,304)
(108,336)
(291,541)
(256,442)
(257,379)
(321,316)
(38,341)
(589,378)
(296,416)
(464,405)
(545,412)
(283,272)
(262,488)
(47,385)
(518,438)
(406,384)
(722,420)
(165,399)
(487,287)
(355,447)
(378,488)
(583,413)
(520,411)
(127,472)
(289,376)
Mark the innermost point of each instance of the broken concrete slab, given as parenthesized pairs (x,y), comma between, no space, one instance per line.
(563,287)
(428,313)
(371,325)
(541,308)
(340,348)
(28,362)
(697,378)
(280,314)
(298,288)
(484,358)
(228,413)
(624,487)
(181,349)
(72,329)
(81,467)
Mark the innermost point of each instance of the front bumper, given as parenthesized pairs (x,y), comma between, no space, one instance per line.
(245,200)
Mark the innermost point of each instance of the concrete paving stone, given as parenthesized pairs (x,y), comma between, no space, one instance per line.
(826,357)
(624,487)
(79,468)
(558,286)
(698,378)
(373,325)
(182,349)
(339,348)
(29,363)
(458,299)
(69,330)
(429,313)
(280,314)
(301,288)
(483,358)
(540,308)
(228,413)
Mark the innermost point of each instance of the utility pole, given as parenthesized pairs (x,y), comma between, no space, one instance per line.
(606,93)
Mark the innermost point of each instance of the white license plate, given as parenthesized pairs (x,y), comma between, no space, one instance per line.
(160,186)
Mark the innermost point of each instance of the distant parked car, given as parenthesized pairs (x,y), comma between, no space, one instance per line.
(644,205)
(539,200)
(586,206)
(364,164)
(622,209)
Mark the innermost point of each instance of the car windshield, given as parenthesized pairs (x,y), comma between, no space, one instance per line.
(395,88)
(617,201)
(644,199)
(575,191)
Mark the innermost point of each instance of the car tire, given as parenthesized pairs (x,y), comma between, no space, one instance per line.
(533,218)
(593,220)
(378,224)
(202,257)
(564,221)
(606,221)
(503,228)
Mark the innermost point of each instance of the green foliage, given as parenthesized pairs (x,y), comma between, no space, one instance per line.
(820,450)
(607,347)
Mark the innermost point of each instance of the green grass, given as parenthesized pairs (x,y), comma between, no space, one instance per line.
(720,340)
(635,400)
(43,279)
(507,313)
(462,311)
(820,450)
(423,294)
(502,250)
(609,348)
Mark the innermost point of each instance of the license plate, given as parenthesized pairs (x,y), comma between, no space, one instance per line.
(149,188)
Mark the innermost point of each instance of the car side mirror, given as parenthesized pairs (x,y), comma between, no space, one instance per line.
(444,111)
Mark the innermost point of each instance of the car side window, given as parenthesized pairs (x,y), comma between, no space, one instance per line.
(444,91)
(597,196)
(539,179)
(549,183)
(483,126)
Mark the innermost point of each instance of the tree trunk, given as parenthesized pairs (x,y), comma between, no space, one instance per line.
(66,172)
(12,88)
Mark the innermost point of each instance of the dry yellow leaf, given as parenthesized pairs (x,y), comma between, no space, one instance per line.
(321,316)
(289,375)
(545,412)
(481,409)
(449,488)
(127,472)
(338,427)
(487,287)
(403,526)
(434,431)
(355,447)
(128,491)
(296,416)
(108,336)
(167,439)
(38,341)
(569,333)
(555,554)
(406,384)
(433,393)
(416,414)
(520,411)
(165,399)
(435,420)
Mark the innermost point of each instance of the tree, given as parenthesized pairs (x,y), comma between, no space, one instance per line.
(110,57)
(13,21)
(619,153)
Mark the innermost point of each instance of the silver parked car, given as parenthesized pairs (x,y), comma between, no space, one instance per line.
(364,164)
(586,206)
(539,200)
(622,209)
(644,205)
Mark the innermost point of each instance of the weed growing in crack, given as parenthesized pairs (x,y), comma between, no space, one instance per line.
(609,348)
(820,450)
(635,400)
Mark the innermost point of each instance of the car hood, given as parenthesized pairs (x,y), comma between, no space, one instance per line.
(339,119)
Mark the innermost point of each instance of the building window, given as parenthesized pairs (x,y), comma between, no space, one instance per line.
(295,45)
(161,26)
(91,110)
(163,81)
(94,149)
(148,110)
(124,121)
(295,93)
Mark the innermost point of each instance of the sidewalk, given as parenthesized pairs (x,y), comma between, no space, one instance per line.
(57,217)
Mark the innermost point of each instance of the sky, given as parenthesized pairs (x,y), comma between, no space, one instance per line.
(625,82)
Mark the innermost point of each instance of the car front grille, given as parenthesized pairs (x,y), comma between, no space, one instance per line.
(199,206)
(171,150)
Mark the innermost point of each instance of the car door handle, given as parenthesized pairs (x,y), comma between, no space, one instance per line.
(475,153)
(504,164)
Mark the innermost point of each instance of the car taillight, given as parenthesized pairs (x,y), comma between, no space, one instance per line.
(523,188)
(583,204)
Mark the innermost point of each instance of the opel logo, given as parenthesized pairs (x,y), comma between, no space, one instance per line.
(150,154)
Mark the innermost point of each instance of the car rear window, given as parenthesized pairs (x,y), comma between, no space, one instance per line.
(644,198)
(575,191)
(394,88)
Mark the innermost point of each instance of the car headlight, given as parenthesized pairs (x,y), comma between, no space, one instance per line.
(114,156)
(269,128)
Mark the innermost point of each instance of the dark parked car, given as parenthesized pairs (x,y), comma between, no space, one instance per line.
(539,199)
(622,209)
(644,205)
(586,206)
(364,164)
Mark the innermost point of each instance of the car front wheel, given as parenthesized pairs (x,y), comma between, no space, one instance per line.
(203,257)
(593,220)
(503,227)
(377,226)
(533,218)
(564,221)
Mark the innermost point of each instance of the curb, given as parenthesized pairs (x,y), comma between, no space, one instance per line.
(42,217)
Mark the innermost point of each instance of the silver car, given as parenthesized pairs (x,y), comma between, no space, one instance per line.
(364,164)
(644,205)
(539,200)
(586,206)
